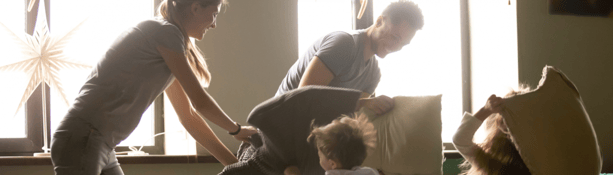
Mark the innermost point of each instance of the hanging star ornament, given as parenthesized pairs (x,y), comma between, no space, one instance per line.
(41,57)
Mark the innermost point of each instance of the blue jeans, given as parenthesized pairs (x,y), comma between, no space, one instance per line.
(79,149)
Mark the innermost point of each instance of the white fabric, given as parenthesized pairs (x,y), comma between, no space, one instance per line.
(408,137)
(552,129)
(354,171)
(463,138)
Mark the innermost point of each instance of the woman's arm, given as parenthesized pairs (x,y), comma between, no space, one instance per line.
(200,100)
(196,126)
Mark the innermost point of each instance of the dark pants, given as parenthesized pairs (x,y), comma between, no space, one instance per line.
(79,149)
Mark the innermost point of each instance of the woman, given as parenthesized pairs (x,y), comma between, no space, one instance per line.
(152,57)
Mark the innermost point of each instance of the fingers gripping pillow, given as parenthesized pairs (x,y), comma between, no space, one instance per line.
(551,129)
(408,137)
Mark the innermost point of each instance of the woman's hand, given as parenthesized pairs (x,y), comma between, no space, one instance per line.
(493,105)
(245,133)
(379,105)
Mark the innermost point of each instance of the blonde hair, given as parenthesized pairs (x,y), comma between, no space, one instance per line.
(172,11)
(346,140)
(497,154)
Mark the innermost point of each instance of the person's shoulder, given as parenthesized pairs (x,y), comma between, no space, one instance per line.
(341,35)
(339,40)
(365,170)
(156,25)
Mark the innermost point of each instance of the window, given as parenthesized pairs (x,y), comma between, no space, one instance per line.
(448,56)
(317,18)
(431,64)
(23,132)
(105,21)
(12,15)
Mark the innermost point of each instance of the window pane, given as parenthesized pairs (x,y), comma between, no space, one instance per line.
(431,64)
(493,43)
(12,15)
(105,21)
(317,18)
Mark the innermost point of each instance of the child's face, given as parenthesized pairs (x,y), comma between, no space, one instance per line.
(326,164)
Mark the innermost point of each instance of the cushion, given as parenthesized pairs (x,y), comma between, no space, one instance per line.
(551,128)
(285,123)
(408,137)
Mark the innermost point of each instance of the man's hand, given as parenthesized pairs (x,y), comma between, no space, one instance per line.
(379,105)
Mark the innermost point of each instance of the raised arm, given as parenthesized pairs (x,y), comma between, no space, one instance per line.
(196,126)
(200,100)
(463,138)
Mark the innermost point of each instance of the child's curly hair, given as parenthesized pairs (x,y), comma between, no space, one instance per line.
(346,140)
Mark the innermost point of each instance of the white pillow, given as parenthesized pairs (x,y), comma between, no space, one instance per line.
(408,137)
(552,131)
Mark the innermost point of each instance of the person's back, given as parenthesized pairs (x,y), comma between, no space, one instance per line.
(131,75)
(342,53)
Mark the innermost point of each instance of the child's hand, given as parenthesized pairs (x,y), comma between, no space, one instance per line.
(291,170)
(493,105)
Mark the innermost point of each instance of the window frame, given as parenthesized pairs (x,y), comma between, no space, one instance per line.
(34,140)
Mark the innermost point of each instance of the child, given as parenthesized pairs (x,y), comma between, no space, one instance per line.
(497,154)
(343,145)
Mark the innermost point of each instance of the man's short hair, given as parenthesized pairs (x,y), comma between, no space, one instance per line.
(346,140)
(404,10)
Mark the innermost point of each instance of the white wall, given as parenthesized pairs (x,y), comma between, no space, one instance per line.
(253,46)
(582,47)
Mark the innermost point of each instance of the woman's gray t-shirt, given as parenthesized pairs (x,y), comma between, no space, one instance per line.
(127,80)
(343,54)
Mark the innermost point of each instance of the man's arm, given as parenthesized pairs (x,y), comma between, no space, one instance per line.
(316,73)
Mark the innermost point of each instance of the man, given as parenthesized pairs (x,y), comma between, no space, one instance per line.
(346,59)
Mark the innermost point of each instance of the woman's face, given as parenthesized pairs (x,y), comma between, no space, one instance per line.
(201,19)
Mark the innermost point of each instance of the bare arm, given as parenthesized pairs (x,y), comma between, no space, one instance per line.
(200,100)
(196,126)
(316,73)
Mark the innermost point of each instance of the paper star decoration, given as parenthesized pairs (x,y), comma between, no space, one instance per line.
(41,57)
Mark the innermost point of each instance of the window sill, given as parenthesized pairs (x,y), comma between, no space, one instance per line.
(123,159)
(150,159)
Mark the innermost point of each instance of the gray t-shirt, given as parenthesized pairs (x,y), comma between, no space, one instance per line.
(128,78)
(343,54)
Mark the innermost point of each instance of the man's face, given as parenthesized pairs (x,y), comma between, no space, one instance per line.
(390,37)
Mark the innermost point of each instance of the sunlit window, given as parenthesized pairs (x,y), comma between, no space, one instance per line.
(431,64)
(12,16)
(105,21)
(316,18)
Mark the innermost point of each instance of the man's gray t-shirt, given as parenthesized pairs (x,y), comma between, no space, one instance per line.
(128,78)
(343,54)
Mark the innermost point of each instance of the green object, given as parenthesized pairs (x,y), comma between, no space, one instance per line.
(450,166)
